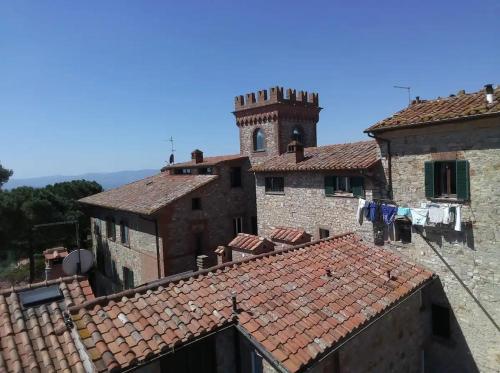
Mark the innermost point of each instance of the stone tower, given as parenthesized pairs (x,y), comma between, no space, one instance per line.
(269,121)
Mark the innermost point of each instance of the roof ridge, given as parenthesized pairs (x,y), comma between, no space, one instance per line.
(177,278)
(66,279)
(338,144)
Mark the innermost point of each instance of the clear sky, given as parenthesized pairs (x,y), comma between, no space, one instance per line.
(96,86)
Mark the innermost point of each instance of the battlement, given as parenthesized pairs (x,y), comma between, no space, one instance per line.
(275,95)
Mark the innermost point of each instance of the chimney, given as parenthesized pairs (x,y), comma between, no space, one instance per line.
(197,156)
(202,262)
(489,93)
(297,148)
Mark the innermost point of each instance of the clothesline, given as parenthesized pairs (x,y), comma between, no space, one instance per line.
(431,212)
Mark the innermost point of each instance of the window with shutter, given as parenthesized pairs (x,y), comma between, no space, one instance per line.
(429,179)
(357,187)
(330,185)
(462,180)
(447,179)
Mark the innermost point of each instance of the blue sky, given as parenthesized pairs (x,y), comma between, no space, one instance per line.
(96,86)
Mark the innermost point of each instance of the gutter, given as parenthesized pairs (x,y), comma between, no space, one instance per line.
(389,160)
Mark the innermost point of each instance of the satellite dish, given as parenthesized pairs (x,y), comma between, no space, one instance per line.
(82,256)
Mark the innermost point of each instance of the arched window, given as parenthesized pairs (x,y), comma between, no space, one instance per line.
(259,140)
(297,134)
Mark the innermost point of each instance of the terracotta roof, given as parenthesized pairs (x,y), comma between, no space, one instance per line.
(249,242)
(35,339)
(55,253)
(422,112)
(287,234)
(357,155)
(297,303)
(148,195)
(207,161)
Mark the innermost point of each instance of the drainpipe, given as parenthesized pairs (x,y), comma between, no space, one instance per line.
(389,159)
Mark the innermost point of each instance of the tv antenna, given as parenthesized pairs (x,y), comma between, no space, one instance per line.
(172,150)
(409,92)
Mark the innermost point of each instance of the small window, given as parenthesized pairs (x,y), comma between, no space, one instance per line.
(402,230)
(297,134)
(324,233)
(275,184)
(205,171)
(235,174)
(128,278)
(447,179)
(196,203)
(344,185)
(182,171)
(440,321)
(237,225)
(124,234)
(259,140)
(111,229)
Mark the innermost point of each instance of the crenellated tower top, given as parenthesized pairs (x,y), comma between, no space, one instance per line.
(275,95)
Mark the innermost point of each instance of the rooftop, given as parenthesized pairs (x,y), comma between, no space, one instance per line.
(456,107)
(296,303)
(207,161)
(249,242)
(148,195)
(287,234)
(35,338)
(357,155)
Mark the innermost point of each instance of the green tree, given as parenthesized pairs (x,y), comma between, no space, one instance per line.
(5,175)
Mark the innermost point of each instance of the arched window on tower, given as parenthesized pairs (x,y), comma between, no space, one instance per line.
(259,143)
(297,134)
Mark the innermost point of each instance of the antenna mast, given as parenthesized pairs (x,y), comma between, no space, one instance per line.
(172,150)
(409,92)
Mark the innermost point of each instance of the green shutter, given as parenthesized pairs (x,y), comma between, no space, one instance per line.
(462,182)
(330,182)
(429,179)
(357,187)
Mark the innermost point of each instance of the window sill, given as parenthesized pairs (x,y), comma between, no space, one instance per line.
(448,200)
(276,193)
(259,151)
(341,195)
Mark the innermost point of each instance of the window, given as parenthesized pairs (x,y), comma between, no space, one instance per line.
(324,233)
(237,226)
(447,179)
(402,230)
(205,171)
(344,185)
(254,225)
(235,175)
(128,278)
(297,134)
(124,233)
(196,203)
(182,171)
(259,140)
(275,184)
(111,229)
(440,321)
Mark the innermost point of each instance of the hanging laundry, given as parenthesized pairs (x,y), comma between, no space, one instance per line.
(403,211)
(447,218)
(371,211)
(458,218)
(359,213)
(419,216)
(388,213)
(436,214)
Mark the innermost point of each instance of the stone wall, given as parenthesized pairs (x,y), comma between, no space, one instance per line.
(467,261)
(271,134)
(286,128)
(305,205)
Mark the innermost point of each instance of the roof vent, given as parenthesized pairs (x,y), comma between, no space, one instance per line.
(42,295)
(489,93)
(461,92)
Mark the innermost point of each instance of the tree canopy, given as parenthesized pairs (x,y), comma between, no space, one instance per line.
(22,208)
(5,175)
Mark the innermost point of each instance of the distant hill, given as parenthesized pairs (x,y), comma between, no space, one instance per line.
(108,180)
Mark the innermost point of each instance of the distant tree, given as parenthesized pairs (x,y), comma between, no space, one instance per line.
(5,175)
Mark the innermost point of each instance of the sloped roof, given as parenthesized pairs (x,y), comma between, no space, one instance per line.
(207,161)
(297,303)
(287,234)
(148,195)
(36,339)
(422,112)
(357,155)
(249,242)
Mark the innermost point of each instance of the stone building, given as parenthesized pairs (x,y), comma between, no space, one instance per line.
(157,226)
(447,151)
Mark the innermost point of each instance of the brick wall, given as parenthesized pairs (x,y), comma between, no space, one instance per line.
(472,256)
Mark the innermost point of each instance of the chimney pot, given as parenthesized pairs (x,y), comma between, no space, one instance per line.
(489,93)
(197,156)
